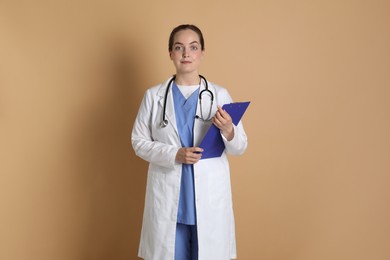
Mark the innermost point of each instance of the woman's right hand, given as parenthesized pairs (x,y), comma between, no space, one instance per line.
(189,155)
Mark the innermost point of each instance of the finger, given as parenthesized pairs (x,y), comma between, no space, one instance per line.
(222,112)
(194,152)
(193,155)
(192,160)
(219,108)
(197,149)
(225,115)
(219,117)
(223,118)
(217,122)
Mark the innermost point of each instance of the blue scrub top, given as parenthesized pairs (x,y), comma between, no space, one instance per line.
(185,110)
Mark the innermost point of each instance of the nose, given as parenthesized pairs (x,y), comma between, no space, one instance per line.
(185,52)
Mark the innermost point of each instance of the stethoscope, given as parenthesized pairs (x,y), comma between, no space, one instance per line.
(164,121)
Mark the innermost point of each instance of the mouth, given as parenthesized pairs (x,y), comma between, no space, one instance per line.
(185,62)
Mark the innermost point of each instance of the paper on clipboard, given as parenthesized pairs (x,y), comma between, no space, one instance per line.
(212,143)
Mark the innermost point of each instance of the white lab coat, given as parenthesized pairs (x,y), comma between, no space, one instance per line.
(214,209)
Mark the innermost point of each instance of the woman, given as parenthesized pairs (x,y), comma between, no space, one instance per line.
(188,205)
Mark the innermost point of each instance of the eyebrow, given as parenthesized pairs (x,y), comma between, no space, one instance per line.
(183,43)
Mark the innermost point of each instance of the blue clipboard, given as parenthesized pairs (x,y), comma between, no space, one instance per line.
(212,143)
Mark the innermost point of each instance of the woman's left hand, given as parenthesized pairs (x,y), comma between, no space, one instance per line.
(223,121)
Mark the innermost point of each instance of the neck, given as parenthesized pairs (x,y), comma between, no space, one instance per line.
(187,79)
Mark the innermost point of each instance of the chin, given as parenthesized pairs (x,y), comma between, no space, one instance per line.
(183,71)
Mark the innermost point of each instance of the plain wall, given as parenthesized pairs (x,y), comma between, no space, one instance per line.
(314,182)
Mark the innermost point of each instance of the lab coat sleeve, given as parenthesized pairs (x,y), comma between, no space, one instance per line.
(239,143)
(143,143)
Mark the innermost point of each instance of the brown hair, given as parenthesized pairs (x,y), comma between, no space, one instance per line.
(185,27)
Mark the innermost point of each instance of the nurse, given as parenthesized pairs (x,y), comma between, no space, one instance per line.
(188,212)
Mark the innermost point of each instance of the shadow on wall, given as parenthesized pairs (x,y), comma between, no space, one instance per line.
(112,179)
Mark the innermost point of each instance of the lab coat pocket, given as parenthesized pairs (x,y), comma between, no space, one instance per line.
(219,188)
(157,188)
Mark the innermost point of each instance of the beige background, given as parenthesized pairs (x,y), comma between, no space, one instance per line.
(314,182)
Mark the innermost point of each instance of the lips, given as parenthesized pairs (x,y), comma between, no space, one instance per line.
(185,62)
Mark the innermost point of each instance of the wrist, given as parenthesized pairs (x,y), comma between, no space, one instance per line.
(229,134)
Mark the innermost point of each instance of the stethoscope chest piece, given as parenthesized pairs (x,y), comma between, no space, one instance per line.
(163,123)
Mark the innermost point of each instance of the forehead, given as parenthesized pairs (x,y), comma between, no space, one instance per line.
(186,36)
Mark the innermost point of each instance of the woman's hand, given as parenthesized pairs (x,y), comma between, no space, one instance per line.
(189,155)
(223,121)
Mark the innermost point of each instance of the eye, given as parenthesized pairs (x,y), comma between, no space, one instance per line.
(194,48)
(178,48)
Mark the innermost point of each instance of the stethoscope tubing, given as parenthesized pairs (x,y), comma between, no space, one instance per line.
(164,121)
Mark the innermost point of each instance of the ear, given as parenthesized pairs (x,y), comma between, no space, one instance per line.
(170,55)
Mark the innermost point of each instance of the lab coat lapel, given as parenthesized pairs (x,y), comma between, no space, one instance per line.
(169,110)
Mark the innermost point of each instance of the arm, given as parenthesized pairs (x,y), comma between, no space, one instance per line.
(143,141)
(161,153)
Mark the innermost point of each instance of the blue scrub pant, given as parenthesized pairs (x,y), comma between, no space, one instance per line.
(186,244)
